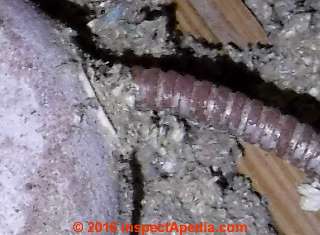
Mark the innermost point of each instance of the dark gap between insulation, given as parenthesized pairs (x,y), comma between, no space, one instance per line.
(221,71)
(138,191)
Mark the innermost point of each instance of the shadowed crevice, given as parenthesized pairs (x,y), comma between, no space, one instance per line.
(138,191)
(221,71)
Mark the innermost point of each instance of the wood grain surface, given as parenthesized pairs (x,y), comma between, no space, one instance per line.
(230,20)
(278,181)
(220,21)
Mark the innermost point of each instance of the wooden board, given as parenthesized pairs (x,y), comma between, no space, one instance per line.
(222,21)
(278,181)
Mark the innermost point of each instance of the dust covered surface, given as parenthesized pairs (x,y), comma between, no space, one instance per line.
(293,60)
(170,169)
(185,172)
(122,26)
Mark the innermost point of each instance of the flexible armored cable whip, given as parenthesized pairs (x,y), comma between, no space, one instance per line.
(243,117)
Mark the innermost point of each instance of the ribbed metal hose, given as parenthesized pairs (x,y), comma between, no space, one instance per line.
(226,110)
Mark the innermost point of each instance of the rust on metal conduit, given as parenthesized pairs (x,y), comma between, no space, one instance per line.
(243,117)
